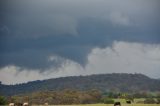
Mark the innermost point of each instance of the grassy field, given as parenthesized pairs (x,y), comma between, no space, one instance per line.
(108,105)
(123,103)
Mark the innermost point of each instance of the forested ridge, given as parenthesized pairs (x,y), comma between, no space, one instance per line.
(118,82)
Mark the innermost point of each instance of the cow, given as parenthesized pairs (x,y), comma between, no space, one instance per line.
(46,104)
(25,104)
(128,102)
(11,104)
(117,104)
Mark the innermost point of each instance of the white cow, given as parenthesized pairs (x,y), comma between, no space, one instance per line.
(11,104)
(46,104)
(25,104)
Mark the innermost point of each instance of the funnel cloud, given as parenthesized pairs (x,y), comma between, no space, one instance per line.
(53,36)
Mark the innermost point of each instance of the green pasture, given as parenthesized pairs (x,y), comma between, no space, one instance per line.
(108,105)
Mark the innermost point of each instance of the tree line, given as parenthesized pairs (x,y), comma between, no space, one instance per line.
(70,96)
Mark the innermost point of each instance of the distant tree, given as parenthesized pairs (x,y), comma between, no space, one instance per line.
(108,101)
(149,101)
(158,100)
(3,101)
(130,98)
(140,95)
(95,94)
(158,95)
(112,95)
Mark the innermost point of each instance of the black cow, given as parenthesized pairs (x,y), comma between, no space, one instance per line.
(117,104)
(128,102)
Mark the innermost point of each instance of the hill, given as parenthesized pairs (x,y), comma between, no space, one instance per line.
(103,82)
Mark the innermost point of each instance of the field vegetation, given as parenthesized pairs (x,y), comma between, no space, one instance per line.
(84,98)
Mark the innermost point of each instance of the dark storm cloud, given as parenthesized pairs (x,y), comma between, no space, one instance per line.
(32,31)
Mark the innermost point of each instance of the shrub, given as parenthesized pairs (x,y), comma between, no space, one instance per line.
(158,100)
(108,101)
(149,101)
(3,101)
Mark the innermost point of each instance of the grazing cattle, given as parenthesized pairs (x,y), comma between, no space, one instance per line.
(117,104)
(128,102)
(46,104)
(11,104)
(25,104)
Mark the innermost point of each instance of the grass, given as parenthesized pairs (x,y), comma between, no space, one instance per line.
(108,105)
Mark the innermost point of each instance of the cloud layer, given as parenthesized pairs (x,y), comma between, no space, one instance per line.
(122,57)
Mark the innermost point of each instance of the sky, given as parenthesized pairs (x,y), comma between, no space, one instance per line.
(42,39)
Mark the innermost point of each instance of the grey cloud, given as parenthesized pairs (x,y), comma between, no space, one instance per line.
(122,57)
(71,29)
(37,25)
